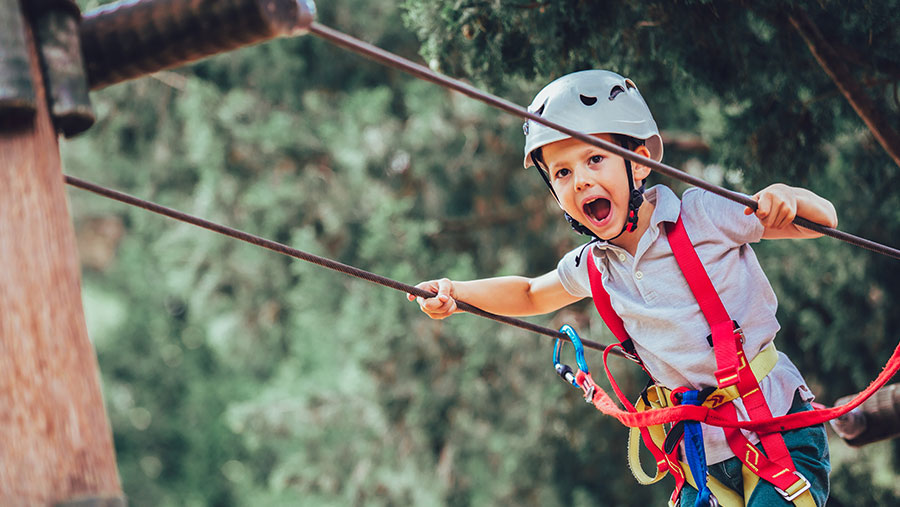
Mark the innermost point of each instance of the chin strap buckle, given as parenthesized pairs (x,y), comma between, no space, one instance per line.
(637,198)
(631,223)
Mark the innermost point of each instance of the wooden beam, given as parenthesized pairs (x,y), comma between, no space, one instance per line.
(55,440)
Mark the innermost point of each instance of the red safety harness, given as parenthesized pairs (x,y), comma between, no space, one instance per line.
(733,375)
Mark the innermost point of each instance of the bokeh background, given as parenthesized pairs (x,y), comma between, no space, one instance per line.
(234,376)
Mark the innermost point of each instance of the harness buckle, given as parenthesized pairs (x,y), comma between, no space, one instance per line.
(589,393)
(630,352)
(633,357)
(738,331)
(788,495)
(661,399)
(727,377)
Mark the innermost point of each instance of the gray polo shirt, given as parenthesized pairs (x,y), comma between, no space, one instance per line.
(651,295)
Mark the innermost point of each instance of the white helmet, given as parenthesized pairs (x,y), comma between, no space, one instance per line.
(593,102)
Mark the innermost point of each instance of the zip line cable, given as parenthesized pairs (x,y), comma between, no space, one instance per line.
(395,61)
(315,259)
(605,404)
(398,62)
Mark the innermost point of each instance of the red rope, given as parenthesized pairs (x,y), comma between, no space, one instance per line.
(605,404)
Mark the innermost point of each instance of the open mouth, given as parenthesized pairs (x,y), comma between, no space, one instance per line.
(598,209)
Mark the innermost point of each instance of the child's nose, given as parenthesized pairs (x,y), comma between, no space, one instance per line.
(581,180)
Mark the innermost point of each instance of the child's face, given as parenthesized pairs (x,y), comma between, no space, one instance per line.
(591,183)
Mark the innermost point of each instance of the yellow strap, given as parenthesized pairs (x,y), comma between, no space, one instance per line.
(727,497)
(761,365)
(658,397)
(657,434)
(805,500)
(750,482)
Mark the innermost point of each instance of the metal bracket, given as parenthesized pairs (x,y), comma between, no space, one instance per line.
(17,97)
(56,24)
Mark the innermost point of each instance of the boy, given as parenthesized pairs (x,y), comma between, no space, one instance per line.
(631,258)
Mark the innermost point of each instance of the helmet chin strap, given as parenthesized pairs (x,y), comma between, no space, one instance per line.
(636,198)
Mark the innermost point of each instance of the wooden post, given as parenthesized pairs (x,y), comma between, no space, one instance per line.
(55,440)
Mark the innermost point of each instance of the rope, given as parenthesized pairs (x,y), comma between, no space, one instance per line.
(424,73)
(315,259)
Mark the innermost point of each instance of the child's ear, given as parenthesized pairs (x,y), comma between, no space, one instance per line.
(640,171)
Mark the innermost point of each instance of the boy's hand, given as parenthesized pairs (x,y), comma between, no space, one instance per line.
(776,206)
(441,306)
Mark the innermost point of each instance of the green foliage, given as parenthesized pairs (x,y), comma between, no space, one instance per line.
(235,376)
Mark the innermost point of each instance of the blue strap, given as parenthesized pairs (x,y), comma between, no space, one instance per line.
(694,452)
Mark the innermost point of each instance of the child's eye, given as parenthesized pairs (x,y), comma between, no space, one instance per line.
(562,173)
(596,159)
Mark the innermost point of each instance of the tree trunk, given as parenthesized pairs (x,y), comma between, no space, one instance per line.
(832,64)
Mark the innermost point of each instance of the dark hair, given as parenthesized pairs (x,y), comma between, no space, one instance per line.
(627,142)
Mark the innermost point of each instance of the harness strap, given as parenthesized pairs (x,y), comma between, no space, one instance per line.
(664,461)
(733,376)
(652,436)
(609,316)
(775,466)
(694,451)
(659,397)
(723,329)
(602,401)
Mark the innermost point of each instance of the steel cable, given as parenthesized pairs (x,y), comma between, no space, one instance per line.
(315,259)
(395,61)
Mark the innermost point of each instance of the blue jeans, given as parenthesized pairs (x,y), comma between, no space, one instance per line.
(809,451)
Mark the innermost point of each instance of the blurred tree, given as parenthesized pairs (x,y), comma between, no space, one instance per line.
(771,97)
(234,376)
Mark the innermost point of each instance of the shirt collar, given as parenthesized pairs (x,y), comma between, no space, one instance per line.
(667,205)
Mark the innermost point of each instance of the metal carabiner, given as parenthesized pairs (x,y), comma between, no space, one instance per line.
(564,370)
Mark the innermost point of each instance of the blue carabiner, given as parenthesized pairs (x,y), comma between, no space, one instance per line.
(564,370)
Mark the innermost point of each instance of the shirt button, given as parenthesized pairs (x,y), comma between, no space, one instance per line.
(639,275)
(622,257)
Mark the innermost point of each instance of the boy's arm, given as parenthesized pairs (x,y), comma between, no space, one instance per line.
(779,204)
(513,296)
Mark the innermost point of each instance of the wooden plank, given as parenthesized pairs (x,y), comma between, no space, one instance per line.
(55,439)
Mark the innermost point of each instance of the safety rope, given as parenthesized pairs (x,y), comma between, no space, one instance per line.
(315,259)
(392,60)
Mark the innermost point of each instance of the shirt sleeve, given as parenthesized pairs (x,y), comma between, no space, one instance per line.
(575,279)
(725,216)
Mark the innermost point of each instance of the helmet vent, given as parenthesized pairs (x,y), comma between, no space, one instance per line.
(540,110)
(616,90)
(588,101)
(630,84)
